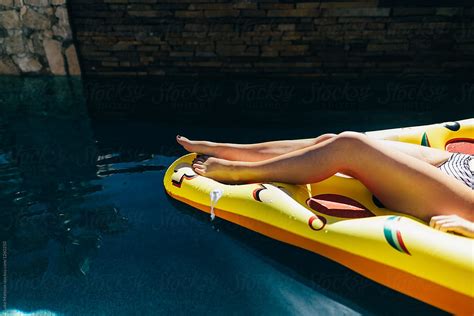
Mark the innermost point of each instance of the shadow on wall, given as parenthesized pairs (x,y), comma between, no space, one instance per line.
(36,38)
(273,37)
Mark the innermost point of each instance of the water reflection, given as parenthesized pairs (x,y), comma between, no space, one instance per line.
(47,170)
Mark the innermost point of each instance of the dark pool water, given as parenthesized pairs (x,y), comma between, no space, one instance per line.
(89,229)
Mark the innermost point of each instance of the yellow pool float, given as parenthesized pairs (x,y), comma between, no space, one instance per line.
(341,220)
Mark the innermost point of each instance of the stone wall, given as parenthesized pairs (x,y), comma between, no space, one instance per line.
(36,38)
(277,37)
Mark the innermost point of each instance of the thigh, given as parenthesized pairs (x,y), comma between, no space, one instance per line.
(407,184)
(433,156)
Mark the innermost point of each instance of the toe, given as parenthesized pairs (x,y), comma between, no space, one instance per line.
(197,164)
(182,140)
(200,171)
(201,158)
(189,145)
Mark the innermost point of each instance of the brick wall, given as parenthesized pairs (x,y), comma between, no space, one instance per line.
(158,37)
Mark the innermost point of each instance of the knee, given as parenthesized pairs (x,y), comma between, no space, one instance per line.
(323,137)
(352,135)
(328,135)
(351,139)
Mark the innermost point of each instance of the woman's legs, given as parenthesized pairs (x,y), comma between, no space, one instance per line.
(249,152)
(268,150)
(402,182)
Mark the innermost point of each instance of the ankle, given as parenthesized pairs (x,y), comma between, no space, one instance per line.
(209,148)
(242,171)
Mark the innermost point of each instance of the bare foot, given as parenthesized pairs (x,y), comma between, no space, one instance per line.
(201,147)
(221,170)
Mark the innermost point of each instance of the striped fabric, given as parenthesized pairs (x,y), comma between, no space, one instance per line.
(460,167)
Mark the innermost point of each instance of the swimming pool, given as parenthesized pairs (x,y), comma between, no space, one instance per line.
(91,231)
